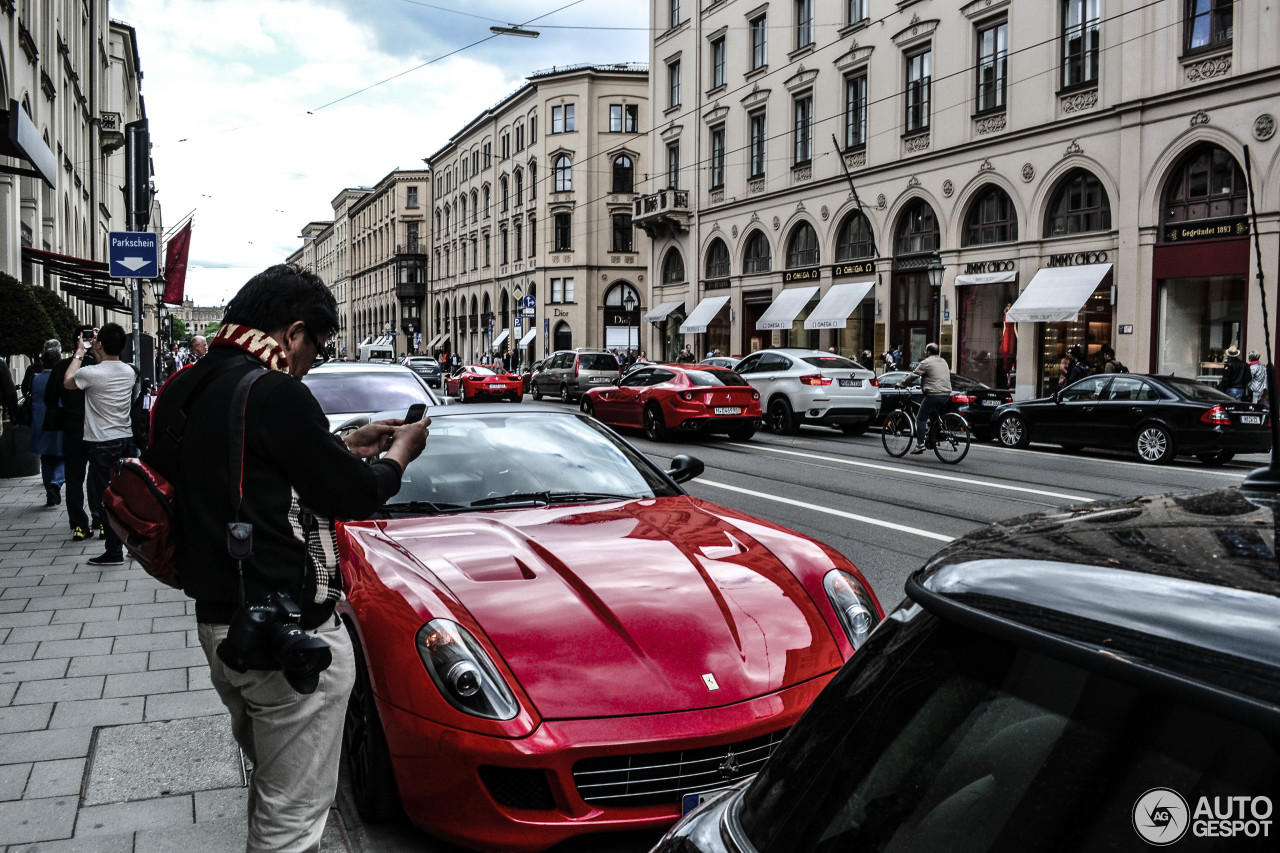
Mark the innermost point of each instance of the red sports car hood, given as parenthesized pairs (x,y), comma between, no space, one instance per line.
(640,607)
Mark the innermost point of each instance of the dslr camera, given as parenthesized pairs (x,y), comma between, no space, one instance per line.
(267,635)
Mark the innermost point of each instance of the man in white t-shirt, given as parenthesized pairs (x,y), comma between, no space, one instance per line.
(108,430)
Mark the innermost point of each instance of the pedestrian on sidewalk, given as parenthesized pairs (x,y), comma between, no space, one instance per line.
(1235,374)
(75,454)
(274,328)
(108,429)
(46,427)
(1257,379)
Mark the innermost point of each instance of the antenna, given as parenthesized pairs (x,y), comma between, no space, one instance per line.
(1263,479)
(836,143)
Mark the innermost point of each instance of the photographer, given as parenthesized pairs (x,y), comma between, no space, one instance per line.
(288,723)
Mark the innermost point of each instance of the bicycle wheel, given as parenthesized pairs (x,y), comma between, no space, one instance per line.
(953,439)
(898,433)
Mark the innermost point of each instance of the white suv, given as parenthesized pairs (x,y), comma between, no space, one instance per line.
(806,386)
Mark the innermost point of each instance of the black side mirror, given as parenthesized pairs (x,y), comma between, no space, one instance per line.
(684,468)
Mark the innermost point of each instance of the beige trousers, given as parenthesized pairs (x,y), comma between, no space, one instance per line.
(294,741)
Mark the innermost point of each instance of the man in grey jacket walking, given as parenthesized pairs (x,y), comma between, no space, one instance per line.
(935,380)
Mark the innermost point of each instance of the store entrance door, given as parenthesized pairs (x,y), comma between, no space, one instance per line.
(913,320)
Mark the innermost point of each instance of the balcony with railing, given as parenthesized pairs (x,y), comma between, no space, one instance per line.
(662,214)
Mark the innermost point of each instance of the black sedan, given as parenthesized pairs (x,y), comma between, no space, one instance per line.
(426,367)
(1158,417)
(1080,679)
(974,400)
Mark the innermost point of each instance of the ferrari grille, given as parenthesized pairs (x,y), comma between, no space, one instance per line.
(664,778)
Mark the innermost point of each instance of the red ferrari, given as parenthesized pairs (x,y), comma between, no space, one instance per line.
(683,397)
(477,381)
(554,639)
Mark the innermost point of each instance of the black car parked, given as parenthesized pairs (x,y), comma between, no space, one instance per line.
(976,401)
(1158,417)
(1081,679)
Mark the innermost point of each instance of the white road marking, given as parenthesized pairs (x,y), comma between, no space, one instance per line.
(852,516)
(915,472)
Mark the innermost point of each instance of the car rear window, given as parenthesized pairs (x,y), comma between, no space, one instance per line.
(832,362)
(597,361)
(1197,391)
(365,392)
(965,383)
(722,376)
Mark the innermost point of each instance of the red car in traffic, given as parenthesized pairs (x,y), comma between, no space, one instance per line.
(484,381)
(553,639)
(679,397)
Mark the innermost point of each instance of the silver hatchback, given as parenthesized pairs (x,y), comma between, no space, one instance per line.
(568,374)
(805,386)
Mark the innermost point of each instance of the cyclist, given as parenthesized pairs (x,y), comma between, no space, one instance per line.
(935,380)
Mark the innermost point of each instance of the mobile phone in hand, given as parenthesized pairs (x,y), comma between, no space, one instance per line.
(415,413)
(86,334)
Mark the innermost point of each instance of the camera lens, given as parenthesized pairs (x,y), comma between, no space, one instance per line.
(302,657)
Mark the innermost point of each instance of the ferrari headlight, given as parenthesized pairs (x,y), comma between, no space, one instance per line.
(853,606)
(463,673)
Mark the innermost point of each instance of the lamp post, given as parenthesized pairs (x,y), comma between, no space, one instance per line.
(935,270)
(629,303)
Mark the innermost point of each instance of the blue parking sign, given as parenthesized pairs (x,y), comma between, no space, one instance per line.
(134,254)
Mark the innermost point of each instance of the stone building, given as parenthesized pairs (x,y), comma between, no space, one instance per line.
(532,245)
(1069,172)
(326,251)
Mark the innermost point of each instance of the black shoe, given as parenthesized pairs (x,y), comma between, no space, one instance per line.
(107,560)
(52,495)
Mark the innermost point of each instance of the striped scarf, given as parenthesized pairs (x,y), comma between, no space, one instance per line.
(258,344)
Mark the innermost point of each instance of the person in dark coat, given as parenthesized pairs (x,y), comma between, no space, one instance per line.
(1079,367)
(1235,375)
(47,442)
(75,456)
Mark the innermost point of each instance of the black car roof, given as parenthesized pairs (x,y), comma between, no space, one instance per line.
(1182,588)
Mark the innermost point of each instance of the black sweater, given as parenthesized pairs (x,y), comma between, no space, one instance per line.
(288,448)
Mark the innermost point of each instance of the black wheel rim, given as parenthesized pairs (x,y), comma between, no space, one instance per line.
(356,734)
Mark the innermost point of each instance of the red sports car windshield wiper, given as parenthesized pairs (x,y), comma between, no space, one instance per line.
(423,506)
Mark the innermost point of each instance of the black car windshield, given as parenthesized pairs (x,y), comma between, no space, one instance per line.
(540,457)
(709,378)
(597,361)
(959,742)
(358,391)
(1196,391)
(831,362)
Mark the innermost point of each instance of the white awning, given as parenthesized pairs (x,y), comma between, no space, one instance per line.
(657,315)
(502,336)
(782,312)
(528,336)
(444,339)
(431,344)
(385,341)
(834,309)
(1056,294)
(366,340)
(703,314)
(986,278)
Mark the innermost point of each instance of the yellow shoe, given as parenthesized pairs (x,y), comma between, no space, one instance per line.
(79,534)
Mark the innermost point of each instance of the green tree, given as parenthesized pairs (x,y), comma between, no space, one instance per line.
(180,329)
(66,324)
(24,325)
(212,329)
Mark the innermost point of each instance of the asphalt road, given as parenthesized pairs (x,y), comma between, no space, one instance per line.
(886,515)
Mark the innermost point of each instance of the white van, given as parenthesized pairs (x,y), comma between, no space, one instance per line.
(377,352)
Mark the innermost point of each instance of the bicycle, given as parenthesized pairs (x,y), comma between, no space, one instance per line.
(948,433)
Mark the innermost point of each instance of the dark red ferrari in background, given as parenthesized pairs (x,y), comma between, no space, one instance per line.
(553,639)
(483,381)
(685,397)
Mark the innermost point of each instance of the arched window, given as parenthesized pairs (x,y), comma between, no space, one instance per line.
(462,211)
(519,188)
(488,202)
(448,217)
(1206,184)
(533,180)
(990,219)
(757,257)
(717,259)
(564,174)
(802,248)
(563,337)
(917,230)
(673,267)
(506,196)
(475,206)
(855,239)
(623,174)
(617,296)
(1079,205)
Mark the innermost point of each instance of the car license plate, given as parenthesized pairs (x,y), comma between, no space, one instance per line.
(850,383)
(1251,419)
(990,402)
(727,410)
(691,801)
(496,386)
(596,379)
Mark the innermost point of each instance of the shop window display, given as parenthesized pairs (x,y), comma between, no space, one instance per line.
(1199,319)
(988,346)
(1091,330)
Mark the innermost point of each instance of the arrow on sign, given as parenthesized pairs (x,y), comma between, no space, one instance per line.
(134,264)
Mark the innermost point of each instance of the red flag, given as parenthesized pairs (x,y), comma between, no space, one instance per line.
(175,265)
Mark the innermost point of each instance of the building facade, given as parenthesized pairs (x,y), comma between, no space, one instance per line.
(532,242)
(326,251)
(70,77)
(1076,168)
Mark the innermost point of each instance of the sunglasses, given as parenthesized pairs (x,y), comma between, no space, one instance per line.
(322,355)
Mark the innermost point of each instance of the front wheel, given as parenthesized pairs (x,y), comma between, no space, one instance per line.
(781,419)
(1154,444)
(951,444)
(655,428)
(537,392)
(586,406)
(564,393)
(364,745)
(1012,431)
(898,433)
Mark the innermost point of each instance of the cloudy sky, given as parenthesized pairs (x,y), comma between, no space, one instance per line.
(258,119)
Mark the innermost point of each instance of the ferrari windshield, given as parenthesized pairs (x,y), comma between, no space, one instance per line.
(498,459)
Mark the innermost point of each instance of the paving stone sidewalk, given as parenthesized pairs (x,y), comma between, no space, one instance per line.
(111,737)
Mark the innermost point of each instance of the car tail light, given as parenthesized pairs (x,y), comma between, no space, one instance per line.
(853,605)
(966,399)
(575,367)
(1216,415)
(755,395)
(873,382)
(686,395)
(815,379)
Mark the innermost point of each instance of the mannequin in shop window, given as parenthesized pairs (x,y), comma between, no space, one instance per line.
(1008,347)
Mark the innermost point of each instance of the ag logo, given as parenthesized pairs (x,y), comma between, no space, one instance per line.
(1161,816)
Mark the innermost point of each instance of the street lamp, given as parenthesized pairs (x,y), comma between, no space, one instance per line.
(935,270)
(629,303)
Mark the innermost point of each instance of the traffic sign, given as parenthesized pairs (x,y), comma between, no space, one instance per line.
(530,302)
(134,254)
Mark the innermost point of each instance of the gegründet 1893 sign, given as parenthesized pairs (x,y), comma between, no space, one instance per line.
(1212,230)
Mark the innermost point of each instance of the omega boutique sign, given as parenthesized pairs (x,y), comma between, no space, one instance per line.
(867,267)
(807,274)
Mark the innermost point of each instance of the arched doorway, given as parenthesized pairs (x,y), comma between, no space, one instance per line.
(911,317)
(563,336)
(622,318)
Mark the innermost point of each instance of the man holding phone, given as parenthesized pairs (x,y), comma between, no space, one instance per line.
(75,455)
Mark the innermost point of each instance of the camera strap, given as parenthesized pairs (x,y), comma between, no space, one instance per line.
(240,534)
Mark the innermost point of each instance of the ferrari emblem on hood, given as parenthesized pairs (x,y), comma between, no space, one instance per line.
(710,680)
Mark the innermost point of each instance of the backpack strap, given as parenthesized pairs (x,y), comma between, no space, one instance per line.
(184,393)
(236,433)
